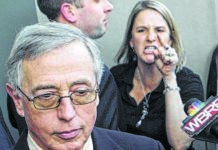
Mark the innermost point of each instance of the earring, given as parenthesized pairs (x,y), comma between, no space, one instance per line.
(133,49)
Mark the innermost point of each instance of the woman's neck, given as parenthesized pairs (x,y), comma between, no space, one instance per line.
(150,76)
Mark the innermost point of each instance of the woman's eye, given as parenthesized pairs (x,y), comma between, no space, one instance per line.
(160,30)
(140,30)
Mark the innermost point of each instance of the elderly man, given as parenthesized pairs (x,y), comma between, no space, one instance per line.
(54,73)
(91,17)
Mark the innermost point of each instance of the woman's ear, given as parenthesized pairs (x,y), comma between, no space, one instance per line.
(68,12)
(131,43)
(16,98)
(171,40)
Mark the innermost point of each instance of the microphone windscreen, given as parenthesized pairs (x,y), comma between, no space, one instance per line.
(202,120)
(189,103)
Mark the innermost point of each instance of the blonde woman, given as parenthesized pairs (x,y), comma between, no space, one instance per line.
(152,79)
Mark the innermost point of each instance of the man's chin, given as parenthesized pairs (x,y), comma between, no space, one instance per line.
(68,145)
(98,35)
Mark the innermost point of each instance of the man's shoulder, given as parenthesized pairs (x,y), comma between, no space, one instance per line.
(107,79)
(119,135)
(125,140)
(106,72)
(109,100)
(22,142)
(118,68)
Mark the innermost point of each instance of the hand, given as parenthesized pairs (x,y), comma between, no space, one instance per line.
(165,58)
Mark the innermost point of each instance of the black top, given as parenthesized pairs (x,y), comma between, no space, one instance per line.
(212,75)
(154,123)
(107,110)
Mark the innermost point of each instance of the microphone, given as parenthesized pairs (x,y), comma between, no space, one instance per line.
(202,122)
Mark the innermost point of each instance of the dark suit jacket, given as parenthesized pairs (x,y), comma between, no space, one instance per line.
(104,139)
(6,140)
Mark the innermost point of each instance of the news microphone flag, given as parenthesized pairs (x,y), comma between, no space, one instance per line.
(202,120)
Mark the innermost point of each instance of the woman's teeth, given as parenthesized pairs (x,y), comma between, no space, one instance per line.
(150,48)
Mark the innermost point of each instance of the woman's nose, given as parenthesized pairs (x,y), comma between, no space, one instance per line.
(152,36)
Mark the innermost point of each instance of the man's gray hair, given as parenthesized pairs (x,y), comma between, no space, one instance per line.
(35,40)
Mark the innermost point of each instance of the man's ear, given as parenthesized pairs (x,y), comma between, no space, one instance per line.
(68,12)
(16,98)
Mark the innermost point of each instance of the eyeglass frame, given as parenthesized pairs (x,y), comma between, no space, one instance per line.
(97,90)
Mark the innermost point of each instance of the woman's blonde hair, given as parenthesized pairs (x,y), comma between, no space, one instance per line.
(126,54)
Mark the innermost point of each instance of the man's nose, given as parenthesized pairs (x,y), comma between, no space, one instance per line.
(66,110)
(108,6)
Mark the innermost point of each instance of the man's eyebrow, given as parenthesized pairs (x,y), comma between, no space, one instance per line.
(82,81)
(44,87)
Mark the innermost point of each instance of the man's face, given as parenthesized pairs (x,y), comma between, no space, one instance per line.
(61,71)
(93,17)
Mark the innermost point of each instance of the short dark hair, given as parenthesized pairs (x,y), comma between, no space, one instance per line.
(35,40)
(51,8)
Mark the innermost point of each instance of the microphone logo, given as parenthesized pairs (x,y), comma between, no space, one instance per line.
(195,107)
(200,115)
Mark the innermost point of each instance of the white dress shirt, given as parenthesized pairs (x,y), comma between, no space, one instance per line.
(33,145)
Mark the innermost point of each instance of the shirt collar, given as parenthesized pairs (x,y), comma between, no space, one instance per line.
(89,144)
(34,146)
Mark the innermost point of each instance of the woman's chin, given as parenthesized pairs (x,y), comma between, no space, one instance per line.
(150,61)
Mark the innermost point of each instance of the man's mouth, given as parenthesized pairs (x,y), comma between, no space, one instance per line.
(69,134)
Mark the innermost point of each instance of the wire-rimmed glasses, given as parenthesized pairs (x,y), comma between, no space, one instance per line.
(51,101)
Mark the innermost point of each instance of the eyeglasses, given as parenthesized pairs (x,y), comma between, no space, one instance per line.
(51,101)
